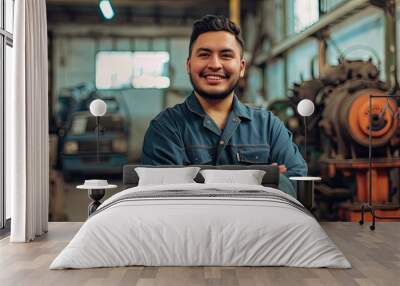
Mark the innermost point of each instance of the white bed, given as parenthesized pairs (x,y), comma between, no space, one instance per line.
(224,225)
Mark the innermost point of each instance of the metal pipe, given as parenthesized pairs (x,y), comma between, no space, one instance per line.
(322,55)
(390,44)
(370,150)
(234,11)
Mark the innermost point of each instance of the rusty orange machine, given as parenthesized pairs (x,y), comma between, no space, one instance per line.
(346,122)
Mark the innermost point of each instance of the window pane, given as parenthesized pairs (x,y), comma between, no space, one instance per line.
(8,69)
(113,70)
(117,70)
(150,70)
(2,176)
(305,14)
(1,16)
(9,9)
(329,5)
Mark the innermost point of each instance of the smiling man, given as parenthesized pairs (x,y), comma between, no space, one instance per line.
(212,127)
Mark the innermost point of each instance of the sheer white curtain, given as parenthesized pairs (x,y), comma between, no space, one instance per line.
(27,173)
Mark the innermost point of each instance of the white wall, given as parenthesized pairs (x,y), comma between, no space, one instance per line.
(73,62)
(299,61)
(179,53)
(275,80)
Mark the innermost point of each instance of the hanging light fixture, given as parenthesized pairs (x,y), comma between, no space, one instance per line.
(106,9)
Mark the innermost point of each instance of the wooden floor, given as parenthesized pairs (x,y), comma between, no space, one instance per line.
(375,256)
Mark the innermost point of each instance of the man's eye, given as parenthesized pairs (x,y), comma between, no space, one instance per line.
(203,55)
(227,56)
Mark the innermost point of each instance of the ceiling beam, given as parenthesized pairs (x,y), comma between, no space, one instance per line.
(116,3)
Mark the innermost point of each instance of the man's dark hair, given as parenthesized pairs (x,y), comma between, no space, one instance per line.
(213,23)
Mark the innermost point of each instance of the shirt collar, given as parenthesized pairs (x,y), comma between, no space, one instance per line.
(194,105)
(239,108)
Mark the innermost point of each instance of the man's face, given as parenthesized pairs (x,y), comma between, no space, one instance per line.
(215,65)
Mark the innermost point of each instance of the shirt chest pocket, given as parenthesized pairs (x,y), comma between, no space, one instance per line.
(200,155)
(253,155)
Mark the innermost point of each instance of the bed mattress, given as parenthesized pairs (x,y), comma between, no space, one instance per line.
(201,225)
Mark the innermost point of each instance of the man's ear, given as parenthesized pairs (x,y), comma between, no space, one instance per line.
(188,65)
(243,64)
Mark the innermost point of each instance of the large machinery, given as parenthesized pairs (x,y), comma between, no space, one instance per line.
(340,133)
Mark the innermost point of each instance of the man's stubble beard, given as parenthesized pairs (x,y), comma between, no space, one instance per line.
(220,95)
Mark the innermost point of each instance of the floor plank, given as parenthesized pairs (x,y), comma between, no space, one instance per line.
(374,255)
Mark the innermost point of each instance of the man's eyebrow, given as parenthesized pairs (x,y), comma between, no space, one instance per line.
(227,50)
(203,50)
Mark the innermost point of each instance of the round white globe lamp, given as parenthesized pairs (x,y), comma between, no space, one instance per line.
(98,108)
(305,108)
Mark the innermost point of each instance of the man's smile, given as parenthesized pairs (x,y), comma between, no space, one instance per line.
(214,78)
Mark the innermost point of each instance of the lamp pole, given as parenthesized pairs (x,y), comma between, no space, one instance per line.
(98,138)
(305,108)
(305,138)
(98,108)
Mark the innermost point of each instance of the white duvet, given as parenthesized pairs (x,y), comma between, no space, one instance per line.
(183,231)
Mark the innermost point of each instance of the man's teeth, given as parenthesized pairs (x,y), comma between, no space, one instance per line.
(214,77)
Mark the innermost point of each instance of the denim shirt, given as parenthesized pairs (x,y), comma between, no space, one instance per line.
(186,135)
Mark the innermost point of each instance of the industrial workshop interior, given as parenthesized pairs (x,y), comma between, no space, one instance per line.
(199,142)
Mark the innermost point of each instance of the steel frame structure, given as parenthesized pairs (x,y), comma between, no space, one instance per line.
(369,206)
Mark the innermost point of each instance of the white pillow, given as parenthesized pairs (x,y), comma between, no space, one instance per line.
(166,176)
(248,177)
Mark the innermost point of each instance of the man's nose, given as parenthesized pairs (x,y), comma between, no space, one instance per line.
(214,62)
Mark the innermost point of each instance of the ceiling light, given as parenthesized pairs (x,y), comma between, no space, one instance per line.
(106,9)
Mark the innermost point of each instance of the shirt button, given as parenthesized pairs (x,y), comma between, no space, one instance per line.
(221,142)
